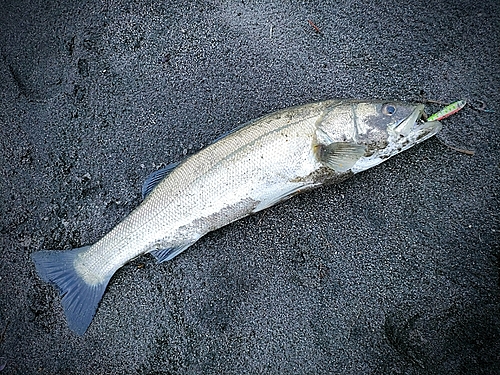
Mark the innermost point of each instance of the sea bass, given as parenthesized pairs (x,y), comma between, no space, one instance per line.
(256,166)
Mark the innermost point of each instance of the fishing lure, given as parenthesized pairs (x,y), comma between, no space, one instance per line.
(447,111)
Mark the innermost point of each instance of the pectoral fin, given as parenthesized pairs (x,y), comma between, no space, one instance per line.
(339,156)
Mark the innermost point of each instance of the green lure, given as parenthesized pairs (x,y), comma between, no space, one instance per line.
(447,111)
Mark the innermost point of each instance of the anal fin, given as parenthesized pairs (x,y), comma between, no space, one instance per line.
(162,255)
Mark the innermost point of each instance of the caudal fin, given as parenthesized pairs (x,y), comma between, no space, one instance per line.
(79,299)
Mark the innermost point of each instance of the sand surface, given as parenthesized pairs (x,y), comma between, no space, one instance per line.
(395,271)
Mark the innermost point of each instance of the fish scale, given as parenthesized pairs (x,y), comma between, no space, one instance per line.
(203,186)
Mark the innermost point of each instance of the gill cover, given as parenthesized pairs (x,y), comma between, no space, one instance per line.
(355,135)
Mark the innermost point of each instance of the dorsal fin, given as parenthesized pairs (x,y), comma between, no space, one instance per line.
(155,178)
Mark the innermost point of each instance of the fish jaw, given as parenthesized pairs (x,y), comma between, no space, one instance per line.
(400,137)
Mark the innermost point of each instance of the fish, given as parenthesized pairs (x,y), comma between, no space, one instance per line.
(257,165)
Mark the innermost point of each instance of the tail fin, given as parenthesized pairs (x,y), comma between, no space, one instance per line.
(79,299)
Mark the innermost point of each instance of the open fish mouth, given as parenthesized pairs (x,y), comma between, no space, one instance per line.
(401,136)
(413,130)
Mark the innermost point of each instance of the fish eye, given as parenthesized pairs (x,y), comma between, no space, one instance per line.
(388,109)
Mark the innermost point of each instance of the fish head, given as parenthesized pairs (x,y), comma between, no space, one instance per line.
(360,135)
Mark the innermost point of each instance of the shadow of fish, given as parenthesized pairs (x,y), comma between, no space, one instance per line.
(256,166)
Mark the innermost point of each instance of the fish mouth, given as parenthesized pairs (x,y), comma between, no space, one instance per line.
(401,136)
(413,130)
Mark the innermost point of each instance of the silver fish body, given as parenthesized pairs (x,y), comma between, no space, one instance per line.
(262,163)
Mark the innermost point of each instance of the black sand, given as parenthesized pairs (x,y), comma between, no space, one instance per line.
(395,271)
